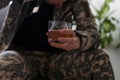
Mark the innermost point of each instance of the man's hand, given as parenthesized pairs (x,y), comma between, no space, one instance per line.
(66,43)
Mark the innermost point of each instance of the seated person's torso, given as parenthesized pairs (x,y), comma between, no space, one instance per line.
(31,35)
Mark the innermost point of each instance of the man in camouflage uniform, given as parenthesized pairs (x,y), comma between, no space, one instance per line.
(84,63)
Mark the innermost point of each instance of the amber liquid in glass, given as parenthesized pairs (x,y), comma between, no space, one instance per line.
(55,34)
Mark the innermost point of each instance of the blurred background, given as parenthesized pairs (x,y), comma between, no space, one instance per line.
(107,14)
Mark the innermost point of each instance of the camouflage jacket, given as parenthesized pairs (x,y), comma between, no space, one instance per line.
(79,9)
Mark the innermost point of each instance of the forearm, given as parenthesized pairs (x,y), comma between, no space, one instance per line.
(86,26)
(89,38)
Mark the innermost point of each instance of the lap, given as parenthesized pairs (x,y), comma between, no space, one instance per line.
(69,65)
(65,65)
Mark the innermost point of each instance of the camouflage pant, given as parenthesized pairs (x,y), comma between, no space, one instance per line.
(73,65)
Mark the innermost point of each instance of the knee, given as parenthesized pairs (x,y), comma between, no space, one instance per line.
(9,53)
(12,66)
(10,57)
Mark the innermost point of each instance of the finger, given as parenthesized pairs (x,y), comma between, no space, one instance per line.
(65,40)
(65,46)
(68,40)
(59,45)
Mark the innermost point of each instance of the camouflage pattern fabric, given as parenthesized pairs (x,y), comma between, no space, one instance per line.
(85,63)
(73,65)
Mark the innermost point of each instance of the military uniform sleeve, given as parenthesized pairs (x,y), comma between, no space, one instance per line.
(86,25)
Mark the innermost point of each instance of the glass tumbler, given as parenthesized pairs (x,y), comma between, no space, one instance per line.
(54,28)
